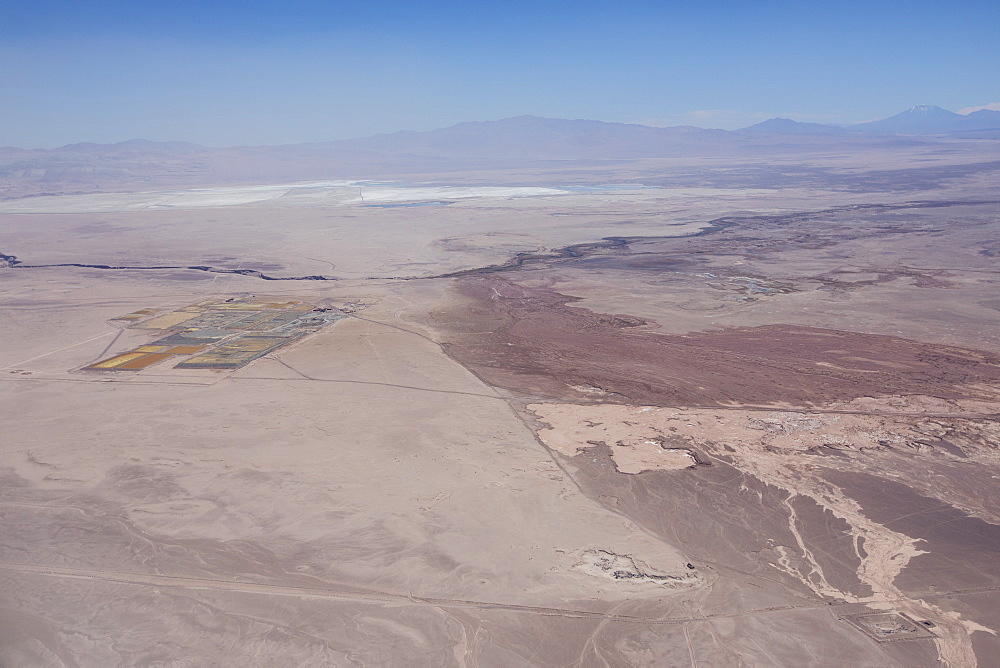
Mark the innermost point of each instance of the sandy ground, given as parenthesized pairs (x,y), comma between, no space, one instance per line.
(673,450)
(362,461)
(635,445)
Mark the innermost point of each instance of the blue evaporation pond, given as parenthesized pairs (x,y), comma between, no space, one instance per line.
(404,204)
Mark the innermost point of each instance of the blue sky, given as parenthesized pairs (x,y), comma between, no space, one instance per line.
(224,73)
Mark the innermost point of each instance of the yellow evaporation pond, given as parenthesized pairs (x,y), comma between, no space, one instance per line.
(181,350)
(117,360)
(142,362)
(149,349)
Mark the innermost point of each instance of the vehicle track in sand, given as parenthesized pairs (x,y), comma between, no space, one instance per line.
(379,597)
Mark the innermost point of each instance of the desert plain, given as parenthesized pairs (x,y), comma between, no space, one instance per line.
(692,411)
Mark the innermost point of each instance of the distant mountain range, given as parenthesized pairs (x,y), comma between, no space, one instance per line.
(919,120)
(928,119)
(520,142)
(786,126)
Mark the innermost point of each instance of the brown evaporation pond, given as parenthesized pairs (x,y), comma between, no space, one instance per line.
(143,362)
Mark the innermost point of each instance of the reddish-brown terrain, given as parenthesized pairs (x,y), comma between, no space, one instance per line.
(534,342)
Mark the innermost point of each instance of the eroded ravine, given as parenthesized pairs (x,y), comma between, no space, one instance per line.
(633,387)
(771,448)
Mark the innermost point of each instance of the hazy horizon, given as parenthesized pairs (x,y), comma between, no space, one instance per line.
(227,74)
(966,111)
